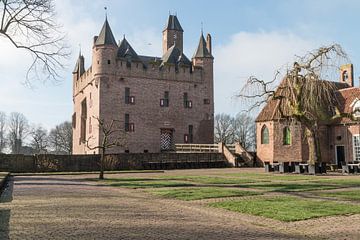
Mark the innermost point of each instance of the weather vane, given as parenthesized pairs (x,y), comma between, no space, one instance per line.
(105,8)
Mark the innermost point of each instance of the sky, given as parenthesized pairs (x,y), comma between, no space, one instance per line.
(250,38)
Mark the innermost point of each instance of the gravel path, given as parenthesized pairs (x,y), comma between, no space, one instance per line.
(67,207)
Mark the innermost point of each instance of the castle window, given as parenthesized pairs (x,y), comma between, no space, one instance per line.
(90,125)
(187,102)
(74,120)
(91,101)
(129,127)
(164,102)
(129,99)
(264,135)
(83,121)
(286,136)
(206,101)
(109,62)
(191,128)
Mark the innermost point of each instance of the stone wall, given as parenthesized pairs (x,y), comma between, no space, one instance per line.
(124,161)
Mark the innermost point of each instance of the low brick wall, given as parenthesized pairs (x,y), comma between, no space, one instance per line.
(123,161)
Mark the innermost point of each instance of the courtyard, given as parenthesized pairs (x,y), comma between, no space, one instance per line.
(181,204)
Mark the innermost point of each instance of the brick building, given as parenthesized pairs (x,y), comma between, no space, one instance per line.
(280,140)
(158,101)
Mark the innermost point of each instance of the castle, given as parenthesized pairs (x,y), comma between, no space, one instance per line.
(159,101)
(280,140)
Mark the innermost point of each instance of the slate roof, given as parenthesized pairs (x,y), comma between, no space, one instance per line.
(126,51)
(276,110)
(175,56)
(173,24)
(106,36)
(78,66)
(202,51)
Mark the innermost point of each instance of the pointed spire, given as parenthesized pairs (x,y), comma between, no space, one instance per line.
(173,24)
(106,36)
(202,51)
(80,65)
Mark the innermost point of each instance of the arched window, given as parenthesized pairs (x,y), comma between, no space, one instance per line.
(345,76)
(264,135)
(286,136)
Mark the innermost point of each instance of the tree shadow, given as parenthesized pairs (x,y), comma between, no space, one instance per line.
(7,194)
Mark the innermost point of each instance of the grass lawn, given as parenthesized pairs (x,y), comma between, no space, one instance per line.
(353,195)
(275,177)
(292,186)
(212,179)
(287,208)
(343,182)
(189,194)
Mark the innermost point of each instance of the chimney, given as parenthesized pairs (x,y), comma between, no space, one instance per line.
(208,43)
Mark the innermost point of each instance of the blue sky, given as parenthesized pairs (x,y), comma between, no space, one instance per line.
(249,38)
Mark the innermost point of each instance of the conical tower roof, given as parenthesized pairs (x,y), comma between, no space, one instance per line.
(202,51)
(106,36)
(173,24)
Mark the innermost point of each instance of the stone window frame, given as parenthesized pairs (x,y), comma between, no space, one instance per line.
(286,136)
(264,134)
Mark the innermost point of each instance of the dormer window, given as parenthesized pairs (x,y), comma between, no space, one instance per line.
(355,105)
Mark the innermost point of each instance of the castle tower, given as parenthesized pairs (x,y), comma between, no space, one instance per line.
(204,59)
(172,34)
(104,51)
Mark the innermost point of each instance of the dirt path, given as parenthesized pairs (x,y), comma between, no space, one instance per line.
(67,207)
(64,207)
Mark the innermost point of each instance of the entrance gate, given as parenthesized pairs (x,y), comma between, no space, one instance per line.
(166,139)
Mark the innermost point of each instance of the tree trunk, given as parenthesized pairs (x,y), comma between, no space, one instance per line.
(314,146)
(102,159)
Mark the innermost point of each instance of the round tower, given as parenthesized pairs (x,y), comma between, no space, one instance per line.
(104,52)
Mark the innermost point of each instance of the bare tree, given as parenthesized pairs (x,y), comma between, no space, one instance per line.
(30,25)
(39,141)
(60,138)
(244,131)
(303,95)
(111,135)
(224,129)
(2,131)
(18,129)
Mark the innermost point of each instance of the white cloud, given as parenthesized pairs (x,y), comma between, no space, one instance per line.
(248,54)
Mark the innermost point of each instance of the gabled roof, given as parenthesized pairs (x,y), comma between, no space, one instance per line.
(106,36)
(126,51)
(175,56)
(202,51)
(173,24)
(276,110)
